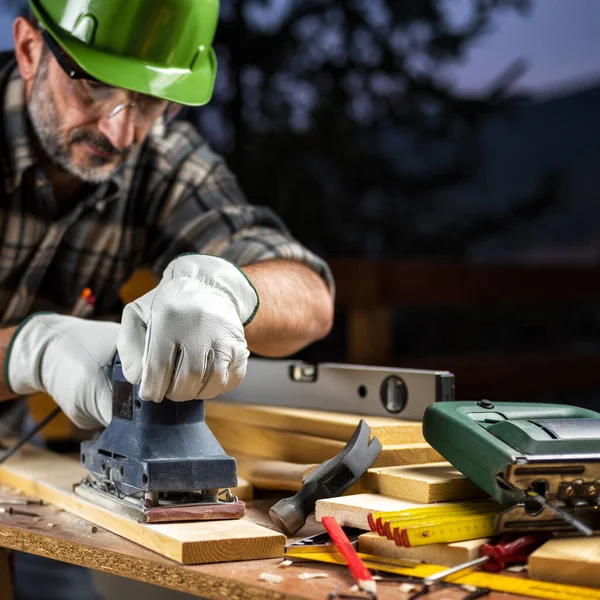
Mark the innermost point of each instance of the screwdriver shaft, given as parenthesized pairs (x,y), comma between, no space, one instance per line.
(15,511)
(457,569)
(19,501)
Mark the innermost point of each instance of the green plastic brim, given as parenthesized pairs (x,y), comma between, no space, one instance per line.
(183,86)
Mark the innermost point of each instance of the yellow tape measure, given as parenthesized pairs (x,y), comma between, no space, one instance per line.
(415,520)
(498,583)
(378,521)
(457,530)
(421,529)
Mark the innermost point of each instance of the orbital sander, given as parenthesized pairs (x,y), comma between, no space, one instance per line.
(158,462)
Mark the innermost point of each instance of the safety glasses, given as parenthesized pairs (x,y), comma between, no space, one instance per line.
(99,100)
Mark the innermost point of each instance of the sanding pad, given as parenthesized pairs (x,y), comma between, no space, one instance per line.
(198,512)
(163,513)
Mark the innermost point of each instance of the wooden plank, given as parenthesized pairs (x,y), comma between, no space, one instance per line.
(433,482)
(568,560)
(280,475)
(244,489)
(273,474)
(407,454)
(437,554)
(334,426)
(353,510)
(51,476)
(238,438)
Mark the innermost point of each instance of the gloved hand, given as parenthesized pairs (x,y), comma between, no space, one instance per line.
(68,358)
(184,339)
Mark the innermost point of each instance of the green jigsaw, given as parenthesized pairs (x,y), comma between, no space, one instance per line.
(541,460)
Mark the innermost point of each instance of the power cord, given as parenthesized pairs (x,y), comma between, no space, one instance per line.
(25,438)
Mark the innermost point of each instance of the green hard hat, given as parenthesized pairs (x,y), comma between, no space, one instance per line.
(161,48)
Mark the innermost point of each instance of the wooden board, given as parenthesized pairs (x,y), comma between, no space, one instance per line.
(433,482)
(272,474)
(407,454)
(237,438)
(51,476)
(353,510)
(280,475)
(334,426)
(437,554)
(568,560)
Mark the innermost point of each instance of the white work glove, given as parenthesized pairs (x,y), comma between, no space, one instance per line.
(68,358)
(184,340)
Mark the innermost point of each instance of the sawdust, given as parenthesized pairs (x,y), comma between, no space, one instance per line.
(284,564)
(270,577)
(517,568)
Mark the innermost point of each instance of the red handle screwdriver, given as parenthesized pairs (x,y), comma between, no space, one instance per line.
(512,549)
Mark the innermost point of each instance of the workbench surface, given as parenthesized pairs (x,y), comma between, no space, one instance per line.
(59,535)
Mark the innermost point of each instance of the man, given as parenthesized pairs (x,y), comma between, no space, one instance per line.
(98,181)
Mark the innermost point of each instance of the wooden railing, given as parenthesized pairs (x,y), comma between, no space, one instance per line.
(370,292)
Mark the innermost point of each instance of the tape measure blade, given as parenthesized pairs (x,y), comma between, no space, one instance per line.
(434,511)
(442,516)
(458,531)
(526,587)
(433,522)
(498,583)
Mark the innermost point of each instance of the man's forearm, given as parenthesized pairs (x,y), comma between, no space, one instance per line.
(296,308)
(5,336)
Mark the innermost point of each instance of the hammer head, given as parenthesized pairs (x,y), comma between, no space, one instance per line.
(329,480)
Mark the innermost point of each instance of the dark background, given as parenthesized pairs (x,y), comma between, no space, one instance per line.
(429,130)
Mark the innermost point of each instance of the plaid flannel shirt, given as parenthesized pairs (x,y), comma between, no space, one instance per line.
(172,195)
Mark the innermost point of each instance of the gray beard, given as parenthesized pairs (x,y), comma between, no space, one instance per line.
(46,122)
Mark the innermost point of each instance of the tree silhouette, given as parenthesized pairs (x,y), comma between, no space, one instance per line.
(313,96)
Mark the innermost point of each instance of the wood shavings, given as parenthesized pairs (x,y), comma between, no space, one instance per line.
(50,525)
(270,578)
(517,568)
(284,564)
(307,576)
(407,588)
